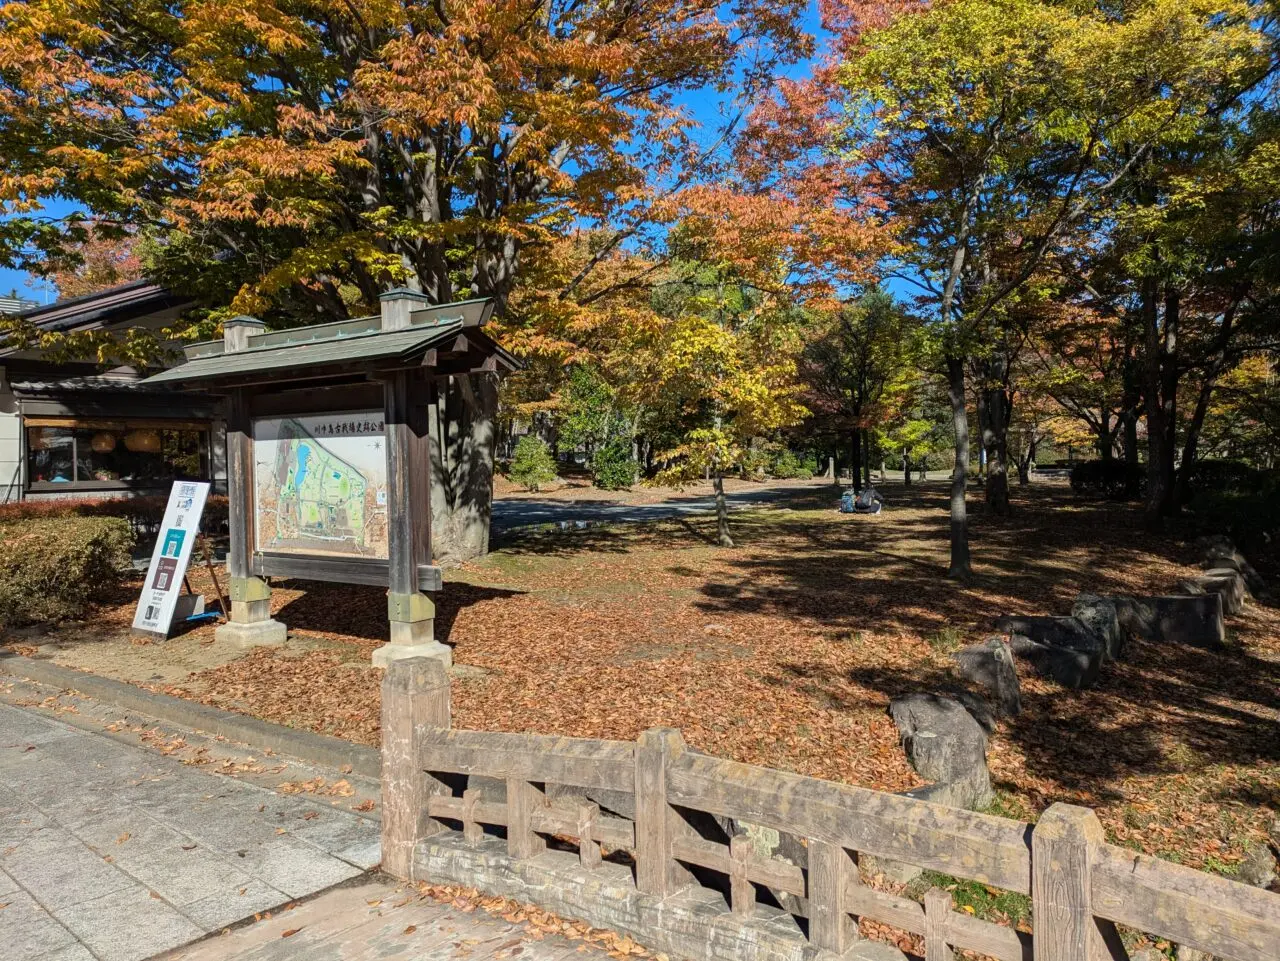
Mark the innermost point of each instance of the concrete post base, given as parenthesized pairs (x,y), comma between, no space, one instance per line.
(387,653)
(268,633)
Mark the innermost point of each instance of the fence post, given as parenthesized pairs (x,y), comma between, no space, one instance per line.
(1062,845)
(937,909)
(742,893)
(831,871)
(657,871)
(523,798)
(415,699)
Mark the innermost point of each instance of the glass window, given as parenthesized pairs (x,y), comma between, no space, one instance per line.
(50,455)
(131,455)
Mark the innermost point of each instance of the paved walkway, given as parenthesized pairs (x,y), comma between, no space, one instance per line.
(373,921)
(117,853)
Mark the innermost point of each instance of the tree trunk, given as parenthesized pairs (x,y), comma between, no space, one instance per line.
(1161,383)
(867,458)
(906,470)
(960,567)
(996,443)
(855,459)
(1106,438)
(723,537)
(1026,459)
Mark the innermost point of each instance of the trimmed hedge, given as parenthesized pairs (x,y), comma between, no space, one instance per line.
(144,514)
(52,567)
(1229,477)
(1114,479)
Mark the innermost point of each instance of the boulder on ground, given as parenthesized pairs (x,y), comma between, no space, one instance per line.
(1076,670)
(1176,619)
(945,744)
(1227,583)
(990,665)
(1065,632)
(1100,616)
(1259,867)
(1218,551)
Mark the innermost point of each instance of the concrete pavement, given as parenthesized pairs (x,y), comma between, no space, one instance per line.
(110,852)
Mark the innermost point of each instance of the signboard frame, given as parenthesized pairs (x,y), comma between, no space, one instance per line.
(170,557)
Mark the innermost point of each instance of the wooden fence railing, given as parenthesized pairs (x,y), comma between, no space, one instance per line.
(650,794)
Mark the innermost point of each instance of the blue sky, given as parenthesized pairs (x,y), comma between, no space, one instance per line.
(704,104)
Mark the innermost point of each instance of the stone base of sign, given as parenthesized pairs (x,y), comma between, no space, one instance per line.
(387,653)
(268,633)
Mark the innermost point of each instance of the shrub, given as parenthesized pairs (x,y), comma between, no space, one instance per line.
(791,467)
(532,465)
(1227,477)
(613,468)
(143,513)
(52,567)
(1114,479)
(755,464)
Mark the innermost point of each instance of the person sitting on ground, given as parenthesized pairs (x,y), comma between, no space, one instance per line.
(868,501)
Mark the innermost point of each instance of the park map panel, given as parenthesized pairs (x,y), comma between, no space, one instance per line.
(320,484)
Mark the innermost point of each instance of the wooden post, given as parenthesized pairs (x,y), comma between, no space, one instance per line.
(1065,927)
(588,846)
(249,623)
(657,871)
(937,908)
(523,799)
(831,872)
(410,613)
(472,830)
(415,699)
(742,894)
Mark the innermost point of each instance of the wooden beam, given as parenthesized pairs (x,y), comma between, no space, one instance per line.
(341,570)
(240,497)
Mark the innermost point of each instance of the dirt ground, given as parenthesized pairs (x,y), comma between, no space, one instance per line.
(785,651)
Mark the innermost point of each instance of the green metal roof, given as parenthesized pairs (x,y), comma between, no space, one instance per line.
(355,343)
(405,346)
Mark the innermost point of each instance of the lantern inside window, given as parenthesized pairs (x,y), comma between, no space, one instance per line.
(103,442)
(142,441)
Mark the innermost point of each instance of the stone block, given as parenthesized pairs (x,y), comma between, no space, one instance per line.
(945,744)
(1076,670)
(268,633)
(1069,633)
(1195,620)
(1099,614)
(1227,583)
(387,653)
(990,665)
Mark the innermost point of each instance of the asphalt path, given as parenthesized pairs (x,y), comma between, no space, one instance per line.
(511,514)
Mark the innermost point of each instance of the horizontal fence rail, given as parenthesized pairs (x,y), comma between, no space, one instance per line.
(689,824)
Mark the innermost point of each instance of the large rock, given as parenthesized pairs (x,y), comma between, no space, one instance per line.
(1099,614)
(944,743)
(1077,670)
(1228,584)
(1066,632)
(1177,619)
(1259,867)
(990,665)
(1218,552)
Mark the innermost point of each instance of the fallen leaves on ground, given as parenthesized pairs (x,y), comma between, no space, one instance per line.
(786,650)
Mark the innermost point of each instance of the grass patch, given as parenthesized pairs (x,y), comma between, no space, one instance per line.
(980,900)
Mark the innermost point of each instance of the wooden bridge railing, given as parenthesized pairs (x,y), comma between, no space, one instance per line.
(650,790)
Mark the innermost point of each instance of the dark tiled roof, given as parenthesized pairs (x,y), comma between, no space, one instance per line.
(105,384)
(106,306)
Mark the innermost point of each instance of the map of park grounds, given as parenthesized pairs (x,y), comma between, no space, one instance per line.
(321,485)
